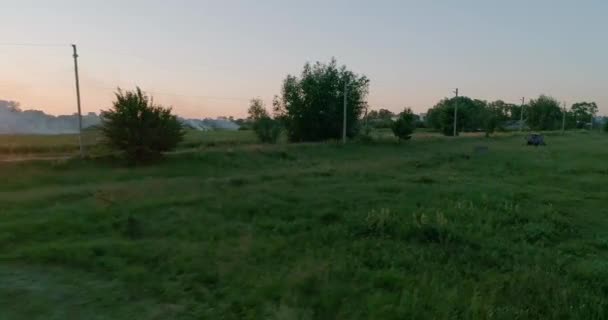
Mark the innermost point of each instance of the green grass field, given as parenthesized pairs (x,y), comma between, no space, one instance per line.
(428,229)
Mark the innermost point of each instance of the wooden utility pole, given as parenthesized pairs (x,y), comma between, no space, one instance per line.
(456,113)
(521,117)
(344,118)
(75,55)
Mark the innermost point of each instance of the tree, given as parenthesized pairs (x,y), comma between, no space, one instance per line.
(382,118)
(470,115)
(138,128)
(266,129)
(385,114)
(404,126)
(9,105)
(311,106)
(545,113)
(504,111)
(606,124)
(492,116)
(257,110)
(583,113)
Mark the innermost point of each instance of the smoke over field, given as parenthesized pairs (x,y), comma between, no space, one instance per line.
(14,120)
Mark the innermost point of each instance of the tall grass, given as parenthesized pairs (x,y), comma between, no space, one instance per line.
(429,229)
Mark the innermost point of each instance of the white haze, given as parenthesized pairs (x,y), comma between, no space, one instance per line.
(13,120)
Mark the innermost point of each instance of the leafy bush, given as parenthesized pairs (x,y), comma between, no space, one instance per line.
(266,129)
(405,125)
(606,125)
(138,128)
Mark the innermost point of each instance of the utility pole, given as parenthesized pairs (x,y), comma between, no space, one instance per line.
(75,55)
(521,117)
(564,119)
(344,118)
(456,113)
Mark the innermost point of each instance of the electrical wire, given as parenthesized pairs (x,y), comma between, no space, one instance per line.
(33,45)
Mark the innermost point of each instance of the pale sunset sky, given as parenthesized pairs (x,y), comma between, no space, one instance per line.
(208,58)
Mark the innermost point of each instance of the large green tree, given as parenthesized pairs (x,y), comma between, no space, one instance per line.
(545,113)
(311,106)
(583,112)
(471,115)
(505,111)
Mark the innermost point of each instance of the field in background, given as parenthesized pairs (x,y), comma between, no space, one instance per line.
(466,228)
(41,146)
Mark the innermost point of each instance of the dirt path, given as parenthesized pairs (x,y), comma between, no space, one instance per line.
(34,158)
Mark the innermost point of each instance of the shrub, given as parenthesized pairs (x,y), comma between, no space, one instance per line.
(405,125)
(490,122)
(267,130)
(606,125)
(138,128)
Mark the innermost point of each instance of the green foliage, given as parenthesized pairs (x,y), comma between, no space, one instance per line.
(257,110)
(311,106)
(505,111)
(606,124)
(380,119)
(583,113)
(492,118)
(545,113)
(267,130)
(470,115)
(138,128)
(405,125)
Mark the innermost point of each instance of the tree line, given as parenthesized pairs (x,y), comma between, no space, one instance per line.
(542,113)
(310,107)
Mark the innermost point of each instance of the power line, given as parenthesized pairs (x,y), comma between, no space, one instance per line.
(160,93)
(33,44)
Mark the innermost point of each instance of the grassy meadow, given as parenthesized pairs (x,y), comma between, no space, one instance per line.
(432,228)
(45,146)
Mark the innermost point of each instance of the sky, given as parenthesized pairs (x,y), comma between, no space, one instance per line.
(209,58)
